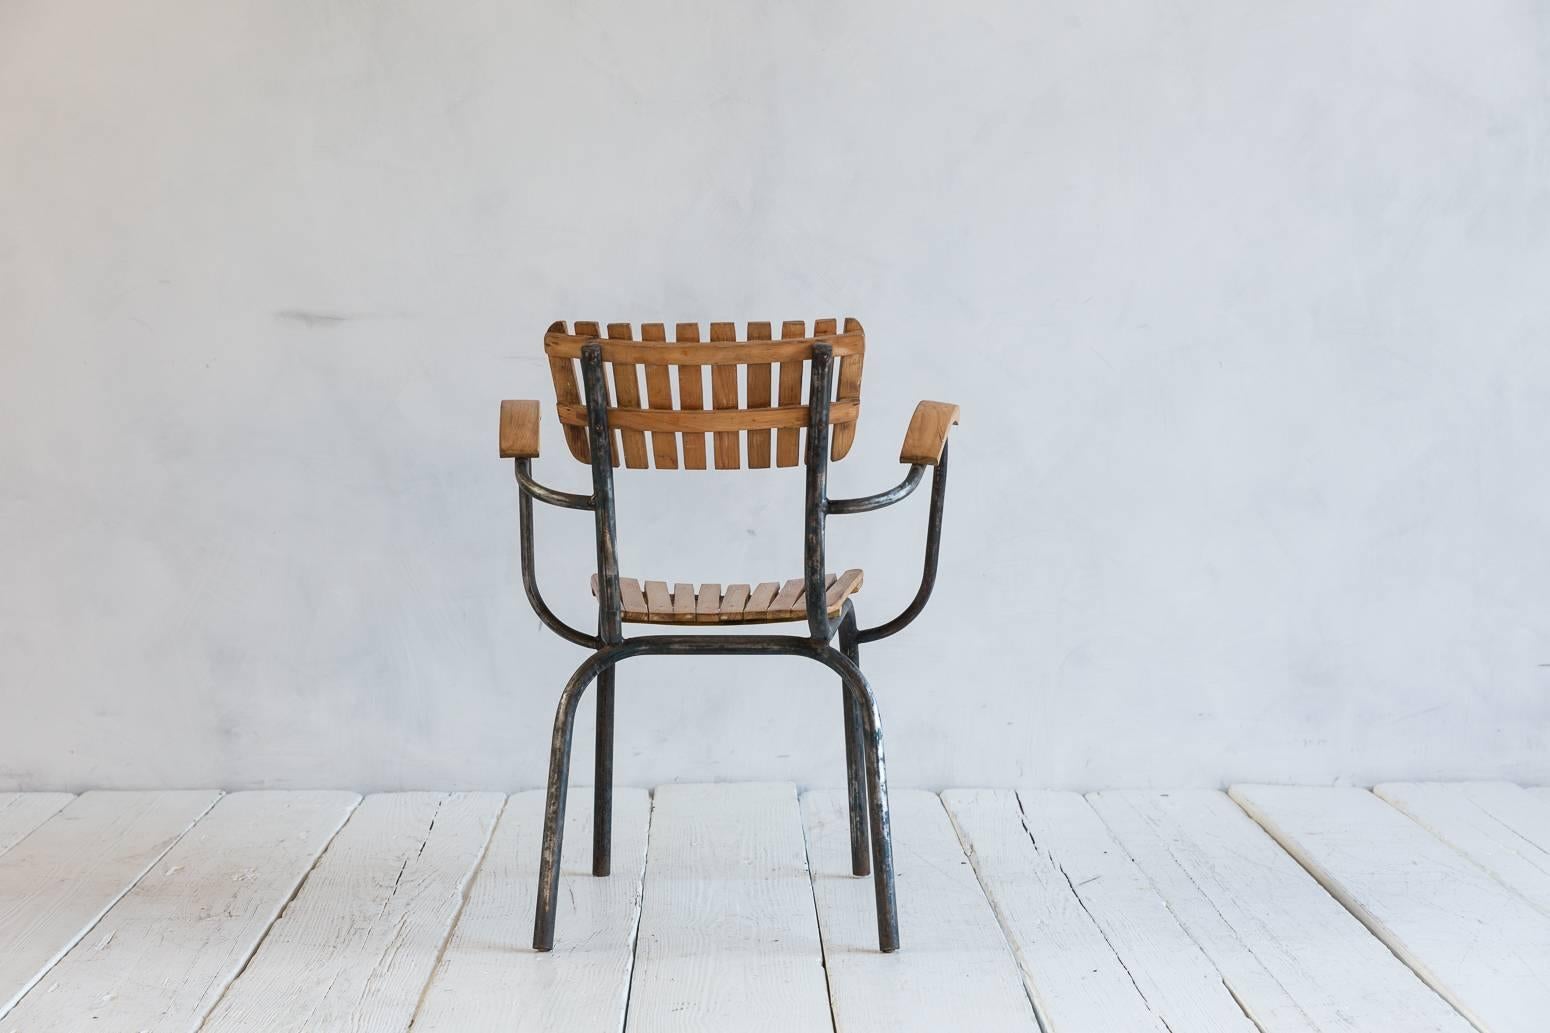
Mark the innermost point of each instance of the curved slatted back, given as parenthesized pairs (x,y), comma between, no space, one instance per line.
(768,398)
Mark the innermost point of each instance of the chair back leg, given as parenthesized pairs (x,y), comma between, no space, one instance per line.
(855,754)
(603,776)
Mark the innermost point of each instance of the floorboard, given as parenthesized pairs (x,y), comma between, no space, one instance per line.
(356,947)
(163,954)
(491,978)
(1472,939)
(1290,954)
(728,937)
(57,882)
(20,813)
(1058,884)
(955,970)
(1501,827)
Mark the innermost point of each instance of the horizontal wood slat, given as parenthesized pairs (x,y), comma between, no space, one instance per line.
(722,420)
(715,353)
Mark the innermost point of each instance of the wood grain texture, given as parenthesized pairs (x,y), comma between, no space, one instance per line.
(728,939)
(954,971)
(753,406)
(759,397)
(724,395)
(356,947)
(59,881)
(490,978)
(626,397)
(725,350)
(691,390)
(733,603)
(1178,982)
(163,954)
(1501,827)
(659,396)
(21,813)
(847,387)
(1469,937)
(659,602)
(567,391)
(1291,955)
(927,432)
(724,420)
(588,331)
(519,429)
(788,440)
(1077,982)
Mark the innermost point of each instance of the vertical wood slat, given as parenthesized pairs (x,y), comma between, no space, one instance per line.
(849,379)
(788,440)
(567,391)
(587,328)
(683,601)
(627,395)
(723,394)
(691,395)
(659,395)
(708,605)
(758,398)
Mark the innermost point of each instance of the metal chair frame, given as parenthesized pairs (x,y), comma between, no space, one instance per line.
(866,772)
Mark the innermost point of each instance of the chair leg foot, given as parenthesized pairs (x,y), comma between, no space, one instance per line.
(882,846)
(603,781)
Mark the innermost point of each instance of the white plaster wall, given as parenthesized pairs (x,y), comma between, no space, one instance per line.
(1245,305)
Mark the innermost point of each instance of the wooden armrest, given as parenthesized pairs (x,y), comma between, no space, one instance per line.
(927,433)
(519,430)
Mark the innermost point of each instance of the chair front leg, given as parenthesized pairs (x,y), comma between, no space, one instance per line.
(877,793)
(603,781)
(855,752)
(554,803)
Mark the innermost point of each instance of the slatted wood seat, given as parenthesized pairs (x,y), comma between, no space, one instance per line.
(768,602)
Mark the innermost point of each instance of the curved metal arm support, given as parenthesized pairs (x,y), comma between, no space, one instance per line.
(933,550)
(530,576)
(543,493)
(898,493)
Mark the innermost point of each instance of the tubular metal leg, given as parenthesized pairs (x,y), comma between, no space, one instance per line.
(877,791)
(855,753)
(554,805)
(603,782)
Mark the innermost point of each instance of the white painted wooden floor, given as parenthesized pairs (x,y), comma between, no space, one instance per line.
(1414,907)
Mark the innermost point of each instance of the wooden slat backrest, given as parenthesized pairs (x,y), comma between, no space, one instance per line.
(755,404)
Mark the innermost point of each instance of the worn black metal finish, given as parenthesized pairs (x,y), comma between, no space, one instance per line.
(855,755)
(867,503)
(866,772)
(933,552)
(733,645)
(819,385)
(543,493)
(530,576)
(603,776)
